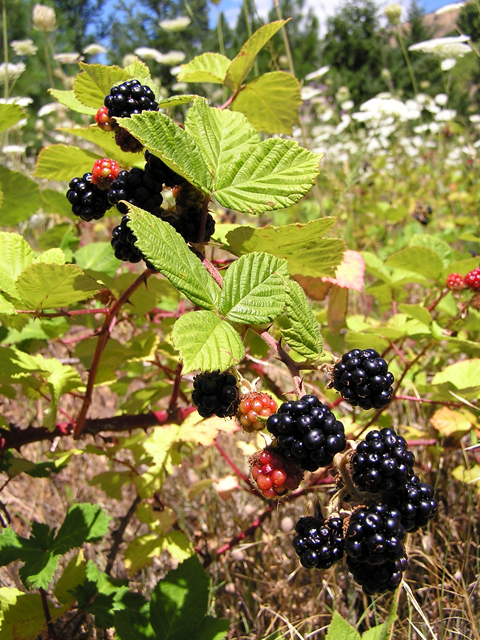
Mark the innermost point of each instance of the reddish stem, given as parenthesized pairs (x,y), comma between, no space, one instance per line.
(58,314)
(236,470)
(424,400)
(435,302)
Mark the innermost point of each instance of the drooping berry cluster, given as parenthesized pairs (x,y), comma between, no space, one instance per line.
(455,282)
(319,543)
(215,393)
(375,536)
(273,473)
(189,207)
(382,462)
(252,405)
(363,379)
(160,172)
(307,432)
(472,279)
(416,504)
(123,243)
(129,98)
(104,173)
(87,200)
(138,187)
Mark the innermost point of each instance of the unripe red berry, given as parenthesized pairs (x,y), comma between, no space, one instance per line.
(252,406)
(455,282)
(472,279)
(273,473)
(103,121)
(104,172)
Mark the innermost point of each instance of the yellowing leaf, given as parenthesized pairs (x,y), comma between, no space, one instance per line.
(451,423)
(226,486)
(469,476)
(196,429)
(198,487)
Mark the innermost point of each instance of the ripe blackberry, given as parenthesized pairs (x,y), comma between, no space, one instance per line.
(188,197)
(123,243)
(104,173)
(189,206)
(375,535)
(128,98)
(274,474)
(307,432)
(455,282)
(161,172)
(378,578)
(472,279)
(416,504)
(252,405)
(87,200)
(382,462)
(363,379)
(104,121)
(127,142)
(138,188)
(215,393)
(319,542)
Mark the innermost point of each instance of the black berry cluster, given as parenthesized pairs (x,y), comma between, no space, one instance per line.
(363,379)
(416,503)
(215,393)
(160,172)
(128,98)
(87,200)
(123,243)
(307,432)
(189,207)
(374,546)
(319,543)
(138,187)
(382,462)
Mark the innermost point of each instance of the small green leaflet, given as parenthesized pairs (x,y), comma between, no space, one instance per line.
(70,100)
(464,374)
(302,333)
(107,146)
(253,290)
(220,135)
(421,260)
(207,67)
(83,523)
(206,342)
(244,60)
(168,252)
(62,162)
(15,209)
(49,286)
(15,256)
(10,114)
(270,102)
(340,629)
(99,257)
(94,83)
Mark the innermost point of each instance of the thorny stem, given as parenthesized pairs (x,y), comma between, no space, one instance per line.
(425,401)
(176,389)
(104,334)
(235,469)
(435,302)
(118,535)
(283,356)
(46,612)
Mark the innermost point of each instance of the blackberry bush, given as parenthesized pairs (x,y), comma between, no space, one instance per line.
(363,379)
(307,432)
(87,200)
(215,393)
(382,462)
(274,474)
(319,543)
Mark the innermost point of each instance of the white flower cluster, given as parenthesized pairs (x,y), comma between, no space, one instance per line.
(170,59)
(449,47)
(23,47)
(175,25)
(10,71)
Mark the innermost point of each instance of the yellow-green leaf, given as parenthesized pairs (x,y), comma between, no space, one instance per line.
(63,162)
(10,114)
(207,67)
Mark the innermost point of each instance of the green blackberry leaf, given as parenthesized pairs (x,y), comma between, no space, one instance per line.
(207,67)
(302,333)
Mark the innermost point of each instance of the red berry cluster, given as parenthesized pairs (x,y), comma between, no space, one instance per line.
(274,474)
(104,173)
(104,121)
(455,282)
(252,405)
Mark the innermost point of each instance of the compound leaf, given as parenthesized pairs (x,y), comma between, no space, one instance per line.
(206,342)
(253,291)
(48,286)
(302,333)
(168,252)
(270,102)
(464,374)
(271,175)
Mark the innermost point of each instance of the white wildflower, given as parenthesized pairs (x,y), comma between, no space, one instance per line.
(432,107)
(448,63)
(67,58)
(422,128)
(173,58)
(347,105)
(43,18)
(434,127)
(128,60)
(24,47)
(177,24)
(176,70)
(449,47)
(445,115)
(328,115)
(441,99)
(11,71)
(22,102)
(344,124)
(47,109)
(475,118)
(316,75)
(94,49)
(181,87)
(13,148)
(422,98)
(148,54)
(308,93)
(393,13)
(449,7)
